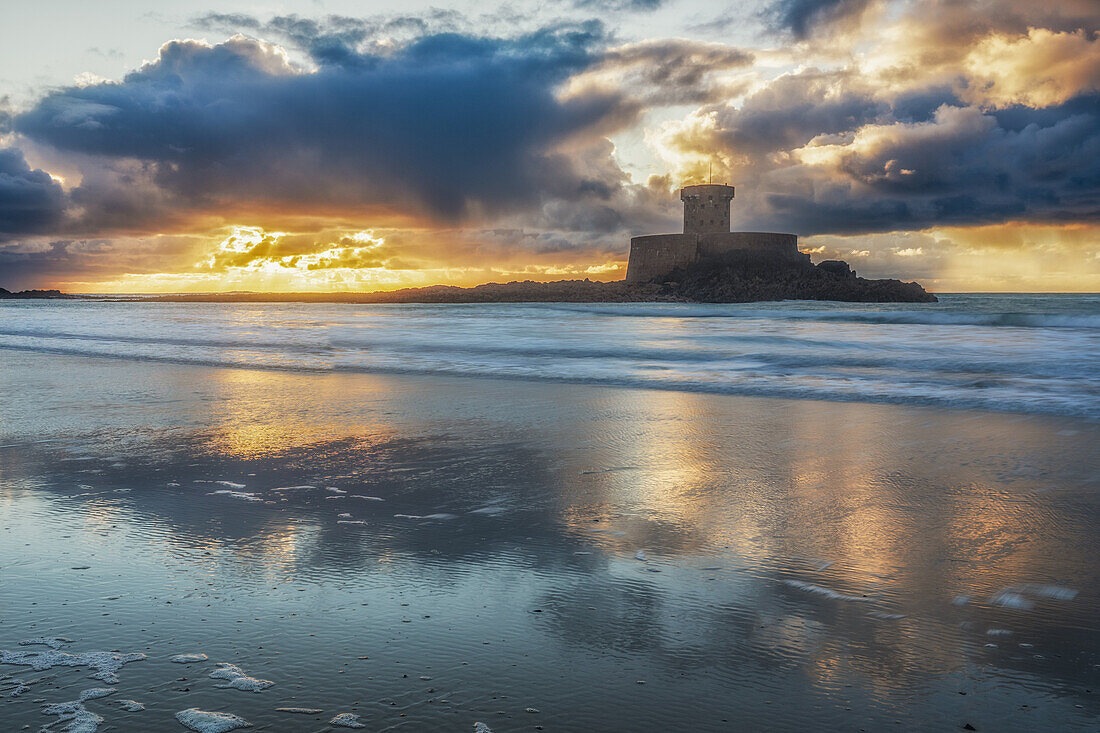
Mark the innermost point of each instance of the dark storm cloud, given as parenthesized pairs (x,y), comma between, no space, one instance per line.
(801,17)
(30,201)
(337,39)
(445,124)
(963,167)
(675,71)
(793,110)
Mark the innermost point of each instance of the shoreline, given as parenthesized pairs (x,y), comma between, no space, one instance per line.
(535,546)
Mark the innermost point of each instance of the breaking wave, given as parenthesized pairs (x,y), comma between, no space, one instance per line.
(1031,354)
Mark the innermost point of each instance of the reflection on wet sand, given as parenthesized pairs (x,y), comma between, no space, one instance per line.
(729,553)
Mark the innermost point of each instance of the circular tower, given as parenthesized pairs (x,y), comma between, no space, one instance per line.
(706,208)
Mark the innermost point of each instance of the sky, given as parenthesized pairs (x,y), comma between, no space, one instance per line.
(319,145)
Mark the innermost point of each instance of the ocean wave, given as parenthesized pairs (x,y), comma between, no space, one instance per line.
(899,317)
(840,352)
(836,388)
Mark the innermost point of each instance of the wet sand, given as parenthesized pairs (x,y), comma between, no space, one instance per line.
(429,552)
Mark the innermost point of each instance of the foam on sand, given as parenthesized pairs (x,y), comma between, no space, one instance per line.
(438,516)
(828,593)
(491,511)
(96,692)
(79,718)
(189,658)
(236,678)
(230,484)
(1022,597)
(106,664)
(346,720)
(242,495)
(53,642)
(205,721)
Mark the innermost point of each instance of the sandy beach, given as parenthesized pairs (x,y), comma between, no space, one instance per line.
(427,552)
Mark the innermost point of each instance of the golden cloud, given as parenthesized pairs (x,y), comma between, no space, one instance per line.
(1039,69)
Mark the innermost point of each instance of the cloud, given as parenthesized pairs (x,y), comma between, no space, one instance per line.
(448,126)
(850,150)
(804,17)
(30,200)
(1039,69)
(669,72)
(611,5)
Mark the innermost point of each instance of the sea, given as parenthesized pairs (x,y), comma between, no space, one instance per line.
(1017,353)
(550,517)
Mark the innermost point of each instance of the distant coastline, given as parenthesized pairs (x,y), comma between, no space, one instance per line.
(734,278)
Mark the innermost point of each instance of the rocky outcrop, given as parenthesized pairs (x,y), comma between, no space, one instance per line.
(32,294)
(738,277)
(733,277)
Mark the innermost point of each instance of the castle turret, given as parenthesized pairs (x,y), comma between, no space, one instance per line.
(706,208)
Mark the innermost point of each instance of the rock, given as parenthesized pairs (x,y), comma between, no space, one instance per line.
(837,267)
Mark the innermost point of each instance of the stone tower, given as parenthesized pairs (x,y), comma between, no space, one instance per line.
(706,236)
(706,208)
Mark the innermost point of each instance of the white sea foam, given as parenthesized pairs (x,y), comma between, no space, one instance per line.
(346,720)
(236,678)
(205,721)
(1057,592)
(490,510)
(106,664)
(350,521)
(131,706)
(437,516)
(1021,597)
(335,490)
(189,658)
(1011,599)
(53,642)
(367,498)
(241,495)
(640,555)
(302,711)
(828,593)
(97,692)
(480,727)
(230,484)
(345,515)
(79,718)
(304,487)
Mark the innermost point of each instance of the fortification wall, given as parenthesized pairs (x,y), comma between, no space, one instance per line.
(655,255)
(773,243)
